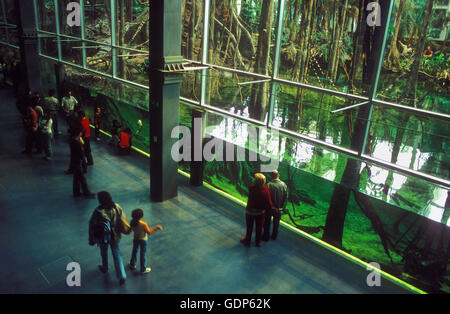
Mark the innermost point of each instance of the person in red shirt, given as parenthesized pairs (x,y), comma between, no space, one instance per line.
(85,125)
(258,202)
(31,128)
(125,141)
(97,120)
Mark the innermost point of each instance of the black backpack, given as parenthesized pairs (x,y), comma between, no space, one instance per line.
(102,231)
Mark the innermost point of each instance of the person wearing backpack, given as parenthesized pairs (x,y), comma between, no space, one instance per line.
(107,223)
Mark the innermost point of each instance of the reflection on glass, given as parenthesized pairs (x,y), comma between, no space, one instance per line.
(120,102)
(308,112)
(239,94)
(416,142)
(398,227)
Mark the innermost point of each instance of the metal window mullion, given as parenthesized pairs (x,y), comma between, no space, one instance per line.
(113,37)
(205,51)
(4,19)
(58,32)
(276,62)
(107,76)
(374,86)
(37,24)
(82,33)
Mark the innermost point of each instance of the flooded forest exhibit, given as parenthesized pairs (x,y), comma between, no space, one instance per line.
(356,114)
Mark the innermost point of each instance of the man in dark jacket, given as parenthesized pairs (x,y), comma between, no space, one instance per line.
(76,161)
(278,194)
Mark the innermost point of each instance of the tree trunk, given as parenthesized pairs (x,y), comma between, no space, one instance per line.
(393,59)
(258,107)
(334,224)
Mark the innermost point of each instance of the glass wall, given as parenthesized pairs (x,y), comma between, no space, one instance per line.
(293,67)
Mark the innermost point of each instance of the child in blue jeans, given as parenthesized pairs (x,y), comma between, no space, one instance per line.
(141,230)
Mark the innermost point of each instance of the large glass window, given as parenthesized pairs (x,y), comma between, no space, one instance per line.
(241,34)
(192,29)
(322,44)
(416,65)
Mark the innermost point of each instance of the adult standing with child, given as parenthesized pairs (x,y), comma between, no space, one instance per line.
(109,214)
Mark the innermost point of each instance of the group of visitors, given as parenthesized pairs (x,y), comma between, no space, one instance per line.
(108,221)
(106,226)
(265,202)
(121,137)
(39,120)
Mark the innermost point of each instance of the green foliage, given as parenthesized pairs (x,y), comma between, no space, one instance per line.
(437,63)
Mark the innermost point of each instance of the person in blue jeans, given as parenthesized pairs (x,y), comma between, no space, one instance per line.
(141,230)
(112,213)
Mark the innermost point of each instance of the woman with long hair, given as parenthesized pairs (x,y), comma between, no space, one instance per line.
(258,202)
(109,216)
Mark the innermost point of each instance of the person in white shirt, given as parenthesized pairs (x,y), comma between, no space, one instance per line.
(68,104)
(51,104)
(46,134)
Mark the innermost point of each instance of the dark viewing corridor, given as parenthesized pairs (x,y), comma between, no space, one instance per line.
(43,228)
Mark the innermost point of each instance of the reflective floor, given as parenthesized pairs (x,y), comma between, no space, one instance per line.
(43,228)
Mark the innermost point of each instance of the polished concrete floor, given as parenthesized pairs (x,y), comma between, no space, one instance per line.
(43,228)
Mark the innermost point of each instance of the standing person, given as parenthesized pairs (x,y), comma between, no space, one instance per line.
(15,76)
(85,126)
(112,215)
(278,195)
(258,202)
(51,104)
(22,104)
(76,164)
(97,120)
(46,134)
(68,104)
(141,230)
(38,139)
(31,128)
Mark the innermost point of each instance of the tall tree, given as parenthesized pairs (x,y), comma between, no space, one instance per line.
(258,106)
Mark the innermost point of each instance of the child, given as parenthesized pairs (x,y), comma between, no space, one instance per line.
(97,119)
(140,230)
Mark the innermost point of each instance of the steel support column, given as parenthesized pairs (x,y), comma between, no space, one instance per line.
(28,45)
(165,54)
